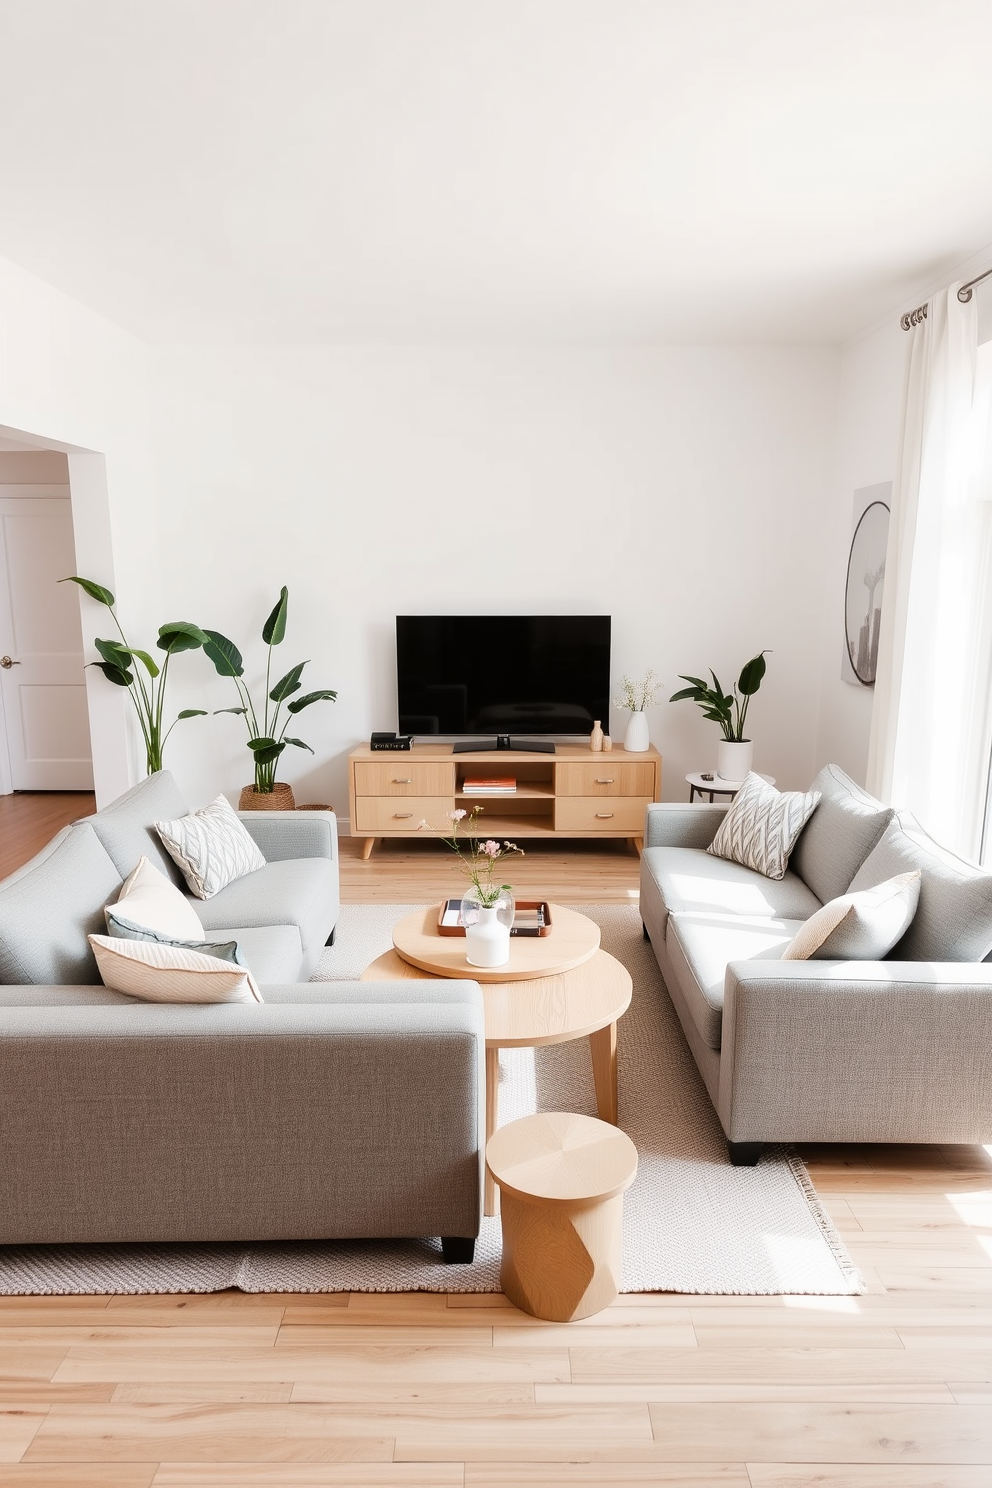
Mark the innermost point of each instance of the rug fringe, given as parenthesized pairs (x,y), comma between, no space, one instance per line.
(828,1229)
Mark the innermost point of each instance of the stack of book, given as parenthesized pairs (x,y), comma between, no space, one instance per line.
(489,785)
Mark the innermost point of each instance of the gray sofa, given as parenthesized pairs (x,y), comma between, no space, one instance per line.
(334,1110)
(825,1051)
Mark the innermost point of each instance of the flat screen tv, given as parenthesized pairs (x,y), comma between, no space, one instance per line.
(502,674)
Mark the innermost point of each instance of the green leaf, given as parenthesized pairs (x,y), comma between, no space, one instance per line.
(180,635)
(192,713)
(225,656)
(288,685)
(751,675)
(114,652)
(274,629)
(299,744)
(324,694)
(151,666)
(262,742)
(697,694)
(265,750)
(95,591)
(115,674)
(242,711)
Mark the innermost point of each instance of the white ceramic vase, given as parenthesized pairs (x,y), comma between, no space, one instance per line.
(733,760)
(487,939)
(637,739)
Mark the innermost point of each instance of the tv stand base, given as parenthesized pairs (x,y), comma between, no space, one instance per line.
(503,741)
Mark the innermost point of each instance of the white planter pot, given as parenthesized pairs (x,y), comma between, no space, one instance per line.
(487,941)
(733,761)
(637,738)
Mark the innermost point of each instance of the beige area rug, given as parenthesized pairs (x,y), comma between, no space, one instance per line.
(692,1223)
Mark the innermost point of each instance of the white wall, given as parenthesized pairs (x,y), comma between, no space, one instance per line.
(679,489)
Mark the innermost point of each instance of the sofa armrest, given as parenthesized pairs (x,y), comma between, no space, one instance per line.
(677,824)
(293,834)
(856,1051)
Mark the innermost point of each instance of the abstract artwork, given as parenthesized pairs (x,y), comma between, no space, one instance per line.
(865,580)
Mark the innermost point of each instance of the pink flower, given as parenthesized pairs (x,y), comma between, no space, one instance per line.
(456,816)
(491,849)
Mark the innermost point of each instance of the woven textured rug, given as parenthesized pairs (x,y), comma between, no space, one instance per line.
(692,1223)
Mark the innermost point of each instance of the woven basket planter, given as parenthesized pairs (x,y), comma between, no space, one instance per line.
(315,806)
(279,798)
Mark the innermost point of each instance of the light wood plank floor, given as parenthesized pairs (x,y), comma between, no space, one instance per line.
(889,1390)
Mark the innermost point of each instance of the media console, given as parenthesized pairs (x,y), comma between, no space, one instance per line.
(572,793)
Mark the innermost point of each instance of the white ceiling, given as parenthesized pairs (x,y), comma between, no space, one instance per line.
(340,170)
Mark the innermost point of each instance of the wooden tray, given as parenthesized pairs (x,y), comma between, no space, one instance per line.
(527,931)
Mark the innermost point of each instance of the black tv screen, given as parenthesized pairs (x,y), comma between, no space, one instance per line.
(502,674)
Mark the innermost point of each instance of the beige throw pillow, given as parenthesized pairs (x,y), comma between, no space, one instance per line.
(859,927)
(212,847)
(760,829)
(161,973)
(150,902)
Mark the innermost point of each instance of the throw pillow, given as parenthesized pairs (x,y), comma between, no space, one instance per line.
(760,829)
(163,973)
(212,847)
(839,835)
(858,927)
(149,901)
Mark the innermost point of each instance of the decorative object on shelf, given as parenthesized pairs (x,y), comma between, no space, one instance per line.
(487,907)
(607,743)
(729,710)
(636,698)
(266,739)
(119,665)
(596,737)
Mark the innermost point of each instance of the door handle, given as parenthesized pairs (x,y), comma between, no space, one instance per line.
(7,661)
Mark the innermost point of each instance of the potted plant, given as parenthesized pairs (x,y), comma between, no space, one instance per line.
(127,666)
(267,736)
(636,698)
(735,753)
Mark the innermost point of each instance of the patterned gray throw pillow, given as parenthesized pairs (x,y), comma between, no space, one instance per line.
(760,829)
(212,847)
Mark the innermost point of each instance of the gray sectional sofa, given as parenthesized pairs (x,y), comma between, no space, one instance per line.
(334,1110)
(896,1050)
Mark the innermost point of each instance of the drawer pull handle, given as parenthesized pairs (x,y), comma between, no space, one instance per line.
(608,781)
(408,781)
(605,814)
(402,815)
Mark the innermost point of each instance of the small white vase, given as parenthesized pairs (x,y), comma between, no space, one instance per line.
(637,739)
(487,940)
(733,760)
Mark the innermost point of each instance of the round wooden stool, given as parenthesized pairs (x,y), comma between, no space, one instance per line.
(562,1180)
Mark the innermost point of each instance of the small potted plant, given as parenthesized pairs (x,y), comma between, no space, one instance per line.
(487,908)
(267,736)
(735,752)
(637,698)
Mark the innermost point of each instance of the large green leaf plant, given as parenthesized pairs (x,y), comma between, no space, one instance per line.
(128,666)
(727,709)
(267,736)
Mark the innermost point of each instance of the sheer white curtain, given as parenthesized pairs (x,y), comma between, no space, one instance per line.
(932,720)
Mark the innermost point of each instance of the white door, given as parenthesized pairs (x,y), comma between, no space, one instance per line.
(42,683)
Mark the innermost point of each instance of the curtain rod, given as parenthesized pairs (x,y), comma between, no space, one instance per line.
(913,317)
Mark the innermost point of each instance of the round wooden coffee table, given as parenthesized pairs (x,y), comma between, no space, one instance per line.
(573,939)
(549,1007)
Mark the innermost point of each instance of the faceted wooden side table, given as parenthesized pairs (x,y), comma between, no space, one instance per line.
(562,1180)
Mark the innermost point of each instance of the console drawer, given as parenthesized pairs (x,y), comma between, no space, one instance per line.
(377,814)
(622,815)
(604,777)
(401,777)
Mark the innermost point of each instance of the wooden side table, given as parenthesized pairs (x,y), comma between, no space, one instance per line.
(715,785)
(562,1180)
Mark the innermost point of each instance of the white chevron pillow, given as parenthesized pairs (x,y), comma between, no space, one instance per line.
(762,826)
(211,846)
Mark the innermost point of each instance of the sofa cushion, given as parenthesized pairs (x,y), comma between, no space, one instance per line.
(953,921)
(212,847)
(50,906)
(274,953)
(699,948)
(839,835)
(859,927)
(680,879)
(762,825)
(150,901)
(125,826)
(296,891)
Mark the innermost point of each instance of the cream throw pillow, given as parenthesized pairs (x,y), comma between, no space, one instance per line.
(859,927)
(212,847)
(150,902)
(761,827)
(161,973)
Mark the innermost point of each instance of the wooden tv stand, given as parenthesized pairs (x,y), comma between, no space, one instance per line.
(571,793)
